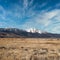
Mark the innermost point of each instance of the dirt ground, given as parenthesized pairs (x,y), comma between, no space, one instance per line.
(29,49)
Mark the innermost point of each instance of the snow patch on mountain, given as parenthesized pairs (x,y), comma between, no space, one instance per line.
(33,30)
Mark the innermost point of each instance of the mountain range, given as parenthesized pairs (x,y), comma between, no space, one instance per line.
(18,33)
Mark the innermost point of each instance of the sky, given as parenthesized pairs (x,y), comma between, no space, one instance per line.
(25,14)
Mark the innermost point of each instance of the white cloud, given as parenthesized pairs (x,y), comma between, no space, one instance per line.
(56,29)
(2,12)
(46,19)
(43,17)
(25,3)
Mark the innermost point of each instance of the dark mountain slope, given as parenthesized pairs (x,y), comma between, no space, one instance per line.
(17,33)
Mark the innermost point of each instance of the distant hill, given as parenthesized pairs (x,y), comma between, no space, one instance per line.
(17,33)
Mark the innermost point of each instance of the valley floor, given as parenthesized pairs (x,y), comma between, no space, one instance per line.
(29,49)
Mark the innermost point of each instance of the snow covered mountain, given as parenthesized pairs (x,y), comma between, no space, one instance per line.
(29,33)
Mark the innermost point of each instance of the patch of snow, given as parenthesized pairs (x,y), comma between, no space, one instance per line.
(33,30)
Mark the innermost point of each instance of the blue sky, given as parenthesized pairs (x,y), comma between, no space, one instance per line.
(26,14)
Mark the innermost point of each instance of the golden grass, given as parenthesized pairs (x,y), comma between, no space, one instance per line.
(29,49)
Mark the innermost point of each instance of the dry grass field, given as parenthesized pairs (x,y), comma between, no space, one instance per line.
(29,49)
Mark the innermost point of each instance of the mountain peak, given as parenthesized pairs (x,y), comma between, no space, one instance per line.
(33,30)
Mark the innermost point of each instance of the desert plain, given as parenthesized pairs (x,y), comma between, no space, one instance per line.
(29,48)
